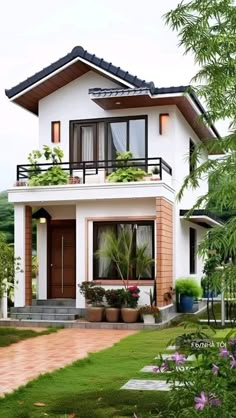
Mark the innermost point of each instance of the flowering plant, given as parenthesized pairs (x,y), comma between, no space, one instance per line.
(205,388)
(149,310)
(130,296)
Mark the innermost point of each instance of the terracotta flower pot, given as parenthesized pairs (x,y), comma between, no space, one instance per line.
(112,314)
(130,314)
(95,314)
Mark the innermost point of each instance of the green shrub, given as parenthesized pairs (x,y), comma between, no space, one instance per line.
(188,287)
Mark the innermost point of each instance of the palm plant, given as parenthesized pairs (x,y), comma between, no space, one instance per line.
(119,249)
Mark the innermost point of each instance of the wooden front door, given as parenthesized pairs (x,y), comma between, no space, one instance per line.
(62,260)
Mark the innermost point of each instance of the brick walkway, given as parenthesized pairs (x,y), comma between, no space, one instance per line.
(25,360)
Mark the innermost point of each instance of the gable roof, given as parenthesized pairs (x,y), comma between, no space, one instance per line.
(29,92)
(79,52)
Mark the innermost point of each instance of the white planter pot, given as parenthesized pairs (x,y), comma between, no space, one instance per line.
(148,319)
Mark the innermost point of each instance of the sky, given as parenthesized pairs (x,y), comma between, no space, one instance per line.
(129,33)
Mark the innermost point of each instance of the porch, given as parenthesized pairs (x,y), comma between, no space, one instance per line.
(73,210)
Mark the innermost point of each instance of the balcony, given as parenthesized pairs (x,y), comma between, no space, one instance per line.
(92,172)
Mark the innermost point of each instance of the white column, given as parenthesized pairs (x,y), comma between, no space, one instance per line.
(81,256)
(3,306)
(19,233)
(42,261)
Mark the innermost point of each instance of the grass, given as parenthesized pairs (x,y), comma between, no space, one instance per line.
(90,388)
(11,335)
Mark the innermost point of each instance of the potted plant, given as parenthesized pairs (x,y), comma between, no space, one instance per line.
(113,298)
(129,309)
(149,313)
(156,173)
(54,175)
(126,171)
(94,296)
(187,289)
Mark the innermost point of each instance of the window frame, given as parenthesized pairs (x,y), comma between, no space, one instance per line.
(79,151)
(192,166)
(96,225)
(106,121)
(192,250)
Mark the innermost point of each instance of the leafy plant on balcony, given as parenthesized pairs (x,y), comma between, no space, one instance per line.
(126,170)
(54,175)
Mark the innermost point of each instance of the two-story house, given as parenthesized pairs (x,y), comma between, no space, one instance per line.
(92,109)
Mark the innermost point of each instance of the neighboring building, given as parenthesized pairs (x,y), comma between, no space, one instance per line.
(91,109)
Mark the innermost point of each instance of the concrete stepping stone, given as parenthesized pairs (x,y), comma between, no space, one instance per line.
(149,369)
(172,347)
(192,357)
(134,384)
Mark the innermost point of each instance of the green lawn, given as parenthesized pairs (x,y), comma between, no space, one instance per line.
(13,335)
(90,388)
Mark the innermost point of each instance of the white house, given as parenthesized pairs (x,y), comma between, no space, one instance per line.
(91,109)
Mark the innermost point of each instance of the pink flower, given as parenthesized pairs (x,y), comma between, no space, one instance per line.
(178,358)
(215,369)
(233,362)
(224,352)
(133,288)
(201,401)
(135,295)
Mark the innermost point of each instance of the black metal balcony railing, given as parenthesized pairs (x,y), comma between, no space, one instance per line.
(86,168)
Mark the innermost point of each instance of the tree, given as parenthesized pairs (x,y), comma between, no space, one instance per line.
(207,29)
(9,265)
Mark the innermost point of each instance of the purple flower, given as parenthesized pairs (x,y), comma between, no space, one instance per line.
(213,400)
(215,369)
(233,362)
(156,369)
(232,341)
(224,352)
(162,369)
(201,401)
(178,358)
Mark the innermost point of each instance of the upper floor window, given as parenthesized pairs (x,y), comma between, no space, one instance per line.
(192,165)
(56,132)
(102,139)
(127,135)
(163,123)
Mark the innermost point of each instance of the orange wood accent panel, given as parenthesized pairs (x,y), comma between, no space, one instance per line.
(164,246)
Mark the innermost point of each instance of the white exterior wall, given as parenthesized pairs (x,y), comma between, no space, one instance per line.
(72,102)
(184,133)
(133,208)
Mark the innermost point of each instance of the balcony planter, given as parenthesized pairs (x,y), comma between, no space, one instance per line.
(74,180)
(112,314)
(129,315)
(20,183)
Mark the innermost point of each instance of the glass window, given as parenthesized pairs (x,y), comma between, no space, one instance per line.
(139,237)
(192,250)
(128,135)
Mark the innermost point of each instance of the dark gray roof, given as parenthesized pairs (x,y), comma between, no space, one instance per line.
(156,90)
(200,212)
(79,52)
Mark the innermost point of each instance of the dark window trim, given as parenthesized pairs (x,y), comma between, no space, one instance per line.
(95,142)
(96,224)
(191,150)
(192,250)
(53,122)
(106,121)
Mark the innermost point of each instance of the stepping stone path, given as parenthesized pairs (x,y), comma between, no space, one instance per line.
(160,385)
(168,357)
(149,369)
(134,384)
(172,347)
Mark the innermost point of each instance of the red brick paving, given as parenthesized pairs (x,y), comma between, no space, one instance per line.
(24,361)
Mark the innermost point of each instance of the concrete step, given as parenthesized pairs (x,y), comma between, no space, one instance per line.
(43,316)
(47,309)
(54,302)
